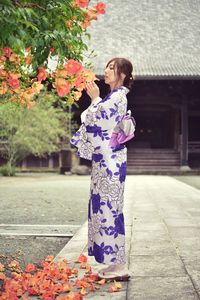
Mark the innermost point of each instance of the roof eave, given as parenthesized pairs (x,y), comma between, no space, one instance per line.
(162,77)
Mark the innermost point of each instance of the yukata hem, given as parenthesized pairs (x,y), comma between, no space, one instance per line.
(106,262)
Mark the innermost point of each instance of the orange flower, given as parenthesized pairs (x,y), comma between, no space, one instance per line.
(7,52)
(89,75)
(101,282)
(13,264)
(83,292)
(61,73)
(42,75)
(27,94)
(82,258)
(30,268)
(73,67)
(2,59)
(77,95)
(92,277)
(100,7)
(69,23)
(79,82)
(28,49)
(62,298)
(14,83)
(48,296)
(62,87)
(14,58)
(82,3)
(3,73)
(32,291)
(85,23)
(14,75)
(57,289)
(67,287)
(81,283)
(52,50)
(3,88)
(91,13)
(115,287)
(28,59)
(62,265)
(37,86)
(77,296)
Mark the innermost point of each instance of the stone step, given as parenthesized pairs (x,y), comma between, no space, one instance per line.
(152,170)
(139,150)
(153,154)
(152,164)
(136,158)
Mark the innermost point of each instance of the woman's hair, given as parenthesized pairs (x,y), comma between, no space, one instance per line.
(123,65)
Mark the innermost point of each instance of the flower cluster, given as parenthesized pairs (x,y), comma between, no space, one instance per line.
(20,83)
(50,281)
(91,13)
(69,80)
(13,81)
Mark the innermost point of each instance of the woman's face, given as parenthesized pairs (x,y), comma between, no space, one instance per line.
(110,74)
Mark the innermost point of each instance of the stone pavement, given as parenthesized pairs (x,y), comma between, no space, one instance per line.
(162,217)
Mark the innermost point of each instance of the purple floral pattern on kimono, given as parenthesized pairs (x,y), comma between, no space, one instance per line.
(106,229)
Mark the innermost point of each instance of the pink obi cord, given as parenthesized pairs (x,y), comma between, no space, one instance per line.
(119,138)
(125,132)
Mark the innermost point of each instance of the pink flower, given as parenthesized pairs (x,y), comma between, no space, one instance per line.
(42,75)
(14,83)
(82,3)
(62,87)
(7,51)
(100,7)
(73,67)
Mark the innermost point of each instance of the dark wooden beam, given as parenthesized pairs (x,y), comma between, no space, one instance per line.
(184,132)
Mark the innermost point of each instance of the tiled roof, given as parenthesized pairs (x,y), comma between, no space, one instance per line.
(160,37)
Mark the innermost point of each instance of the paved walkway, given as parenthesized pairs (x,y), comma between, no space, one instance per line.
(162,241)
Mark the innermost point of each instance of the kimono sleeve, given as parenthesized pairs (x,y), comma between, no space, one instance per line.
(107,113)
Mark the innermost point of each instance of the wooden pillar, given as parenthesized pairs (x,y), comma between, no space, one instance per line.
(184,134)
(176,129)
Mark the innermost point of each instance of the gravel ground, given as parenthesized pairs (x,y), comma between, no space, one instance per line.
(29,249)
(40,199)
(44,199)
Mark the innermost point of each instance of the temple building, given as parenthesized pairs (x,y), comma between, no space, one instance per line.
(162,40)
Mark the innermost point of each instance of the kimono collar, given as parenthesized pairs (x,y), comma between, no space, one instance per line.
(124,88)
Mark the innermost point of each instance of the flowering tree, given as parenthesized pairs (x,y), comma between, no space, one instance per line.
(34,31)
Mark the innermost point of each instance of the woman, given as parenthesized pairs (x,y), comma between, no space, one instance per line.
(106,230)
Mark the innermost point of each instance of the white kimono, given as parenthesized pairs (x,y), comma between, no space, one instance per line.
(106,230)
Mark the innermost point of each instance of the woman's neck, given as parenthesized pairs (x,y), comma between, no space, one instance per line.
(115,86)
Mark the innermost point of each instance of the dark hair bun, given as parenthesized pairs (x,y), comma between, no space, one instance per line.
(124,66)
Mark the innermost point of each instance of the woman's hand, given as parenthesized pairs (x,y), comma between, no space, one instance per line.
(92,90)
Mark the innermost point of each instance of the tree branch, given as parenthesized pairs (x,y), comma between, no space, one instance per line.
(30,5)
